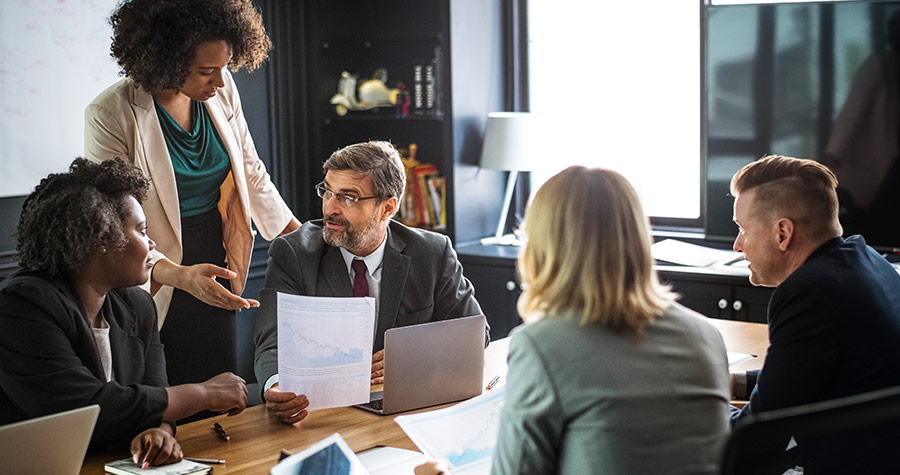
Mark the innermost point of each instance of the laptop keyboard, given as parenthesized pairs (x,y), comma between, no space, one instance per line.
(377,405)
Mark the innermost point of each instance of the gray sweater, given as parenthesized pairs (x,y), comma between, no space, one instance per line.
(584,399)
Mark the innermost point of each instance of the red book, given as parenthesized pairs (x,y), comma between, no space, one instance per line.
(420,190)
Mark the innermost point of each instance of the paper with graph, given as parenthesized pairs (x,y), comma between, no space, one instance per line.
(464,434)
(325,348)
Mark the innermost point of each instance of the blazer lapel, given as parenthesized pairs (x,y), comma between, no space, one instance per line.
(394,271)
(126,349)
(334,270)
(220,120)
(150,149)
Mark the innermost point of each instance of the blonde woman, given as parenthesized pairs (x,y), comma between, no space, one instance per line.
(610,375)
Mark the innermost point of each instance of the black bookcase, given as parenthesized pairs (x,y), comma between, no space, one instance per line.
(458,42)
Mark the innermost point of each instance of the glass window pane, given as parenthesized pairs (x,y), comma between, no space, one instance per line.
(622,83)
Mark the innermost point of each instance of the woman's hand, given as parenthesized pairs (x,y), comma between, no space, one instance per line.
(155,447)
(432,467)
(199,280)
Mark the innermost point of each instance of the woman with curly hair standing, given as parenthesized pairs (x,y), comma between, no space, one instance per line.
(177,117)
(74,329)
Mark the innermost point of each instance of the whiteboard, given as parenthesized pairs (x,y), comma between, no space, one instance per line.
(54,59)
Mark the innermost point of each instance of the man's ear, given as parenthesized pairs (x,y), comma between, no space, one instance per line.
(784,233)
(389,208)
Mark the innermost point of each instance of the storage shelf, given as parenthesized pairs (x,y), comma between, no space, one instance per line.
(400,41)
(369,116)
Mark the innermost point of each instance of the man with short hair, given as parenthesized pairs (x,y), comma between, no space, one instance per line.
(358,250)
(834,317)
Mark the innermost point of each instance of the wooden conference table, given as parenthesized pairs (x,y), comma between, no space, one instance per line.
(257,438)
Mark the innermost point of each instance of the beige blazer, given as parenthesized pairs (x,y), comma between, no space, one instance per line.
(122,122)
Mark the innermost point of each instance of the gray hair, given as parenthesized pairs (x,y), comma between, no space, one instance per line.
(379,160)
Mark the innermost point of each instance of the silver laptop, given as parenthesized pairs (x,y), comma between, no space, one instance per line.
(50,444)
(429,364)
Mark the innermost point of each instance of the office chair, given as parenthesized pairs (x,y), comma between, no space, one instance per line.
(824,432)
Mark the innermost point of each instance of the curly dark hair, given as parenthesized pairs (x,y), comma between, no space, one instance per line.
(69,215)
(154,41)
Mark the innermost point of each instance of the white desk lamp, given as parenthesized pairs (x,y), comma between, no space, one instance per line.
(510,144)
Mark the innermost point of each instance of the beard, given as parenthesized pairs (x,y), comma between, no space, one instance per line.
(351,238)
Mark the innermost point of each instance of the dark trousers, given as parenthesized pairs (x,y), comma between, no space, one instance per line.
(200,340)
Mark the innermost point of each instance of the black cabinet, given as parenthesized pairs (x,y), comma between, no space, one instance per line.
(729,297)
(492,271)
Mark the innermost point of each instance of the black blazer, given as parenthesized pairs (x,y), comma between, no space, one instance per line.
(834,330)
(49,360)
(421,281)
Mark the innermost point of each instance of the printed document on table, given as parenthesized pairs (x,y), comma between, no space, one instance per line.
(325,348)
(464,434)
(734,358)
(678,252)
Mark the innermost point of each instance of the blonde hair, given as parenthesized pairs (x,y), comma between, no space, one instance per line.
(588,253)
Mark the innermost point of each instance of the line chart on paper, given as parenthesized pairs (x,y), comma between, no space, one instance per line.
(325,348)
(314,348)
(464,434)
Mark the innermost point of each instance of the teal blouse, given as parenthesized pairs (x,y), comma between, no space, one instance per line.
(198,157)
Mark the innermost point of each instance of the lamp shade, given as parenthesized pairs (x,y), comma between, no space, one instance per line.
(511,142)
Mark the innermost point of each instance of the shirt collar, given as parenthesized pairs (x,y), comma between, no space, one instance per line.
(373,260)
(825,247)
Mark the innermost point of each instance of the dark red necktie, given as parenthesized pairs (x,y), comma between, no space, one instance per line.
(360,284)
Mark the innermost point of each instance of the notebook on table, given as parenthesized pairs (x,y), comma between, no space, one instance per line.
(50,444)
(429,364)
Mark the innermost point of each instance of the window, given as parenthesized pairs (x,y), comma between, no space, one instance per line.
(621,81)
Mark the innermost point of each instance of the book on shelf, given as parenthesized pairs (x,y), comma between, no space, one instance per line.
(429,87)
(436,190)
(424,202)
(424,207)
(418,98)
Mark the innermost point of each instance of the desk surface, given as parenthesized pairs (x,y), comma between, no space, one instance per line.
(257,438)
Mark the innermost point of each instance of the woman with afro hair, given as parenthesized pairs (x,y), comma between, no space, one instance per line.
(74,328)
(177,117)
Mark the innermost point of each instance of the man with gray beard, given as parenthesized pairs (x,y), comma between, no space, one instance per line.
(358,250)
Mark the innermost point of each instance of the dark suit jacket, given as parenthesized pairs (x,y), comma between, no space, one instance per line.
(49,360)
(421,281)
(834,330)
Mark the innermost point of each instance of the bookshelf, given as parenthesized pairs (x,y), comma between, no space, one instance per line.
(400,36)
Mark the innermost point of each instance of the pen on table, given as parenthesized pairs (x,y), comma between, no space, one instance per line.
(221,431)
(203,460)
(493,382)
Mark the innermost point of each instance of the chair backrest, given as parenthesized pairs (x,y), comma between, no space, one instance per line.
(758,442)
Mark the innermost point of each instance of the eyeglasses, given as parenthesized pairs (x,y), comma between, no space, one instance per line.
(344,200)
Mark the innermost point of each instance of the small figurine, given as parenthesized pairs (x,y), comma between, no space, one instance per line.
(372,93)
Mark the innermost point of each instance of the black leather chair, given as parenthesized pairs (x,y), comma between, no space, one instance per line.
(853,434)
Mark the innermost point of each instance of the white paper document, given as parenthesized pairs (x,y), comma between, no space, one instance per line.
(391,460)
(325,348)
(679,252)
(464,434)
(737,357)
